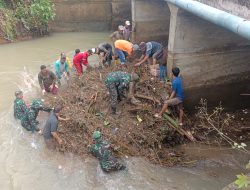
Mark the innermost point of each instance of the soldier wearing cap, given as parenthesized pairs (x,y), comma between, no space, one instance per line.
(116,83)
(20,108)
(29,121)
(102,151)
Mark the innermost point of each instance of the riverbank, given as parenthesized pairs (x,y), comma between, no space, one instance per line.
(22,19)
(136,132)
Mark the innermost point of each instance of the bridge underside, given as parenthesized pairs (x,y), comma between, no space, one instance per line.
(214,63)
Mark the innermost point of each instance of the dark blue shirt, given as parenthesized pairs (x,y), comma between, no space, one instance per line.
(178,88)
(50,126)
(152,47)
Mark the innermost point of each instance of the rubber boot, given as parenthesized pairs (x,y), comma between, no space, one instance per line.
(113,110)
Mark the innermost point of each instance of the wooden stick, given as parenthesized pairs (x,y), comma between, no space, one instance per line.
(175,126)
(245,94)
(147,98)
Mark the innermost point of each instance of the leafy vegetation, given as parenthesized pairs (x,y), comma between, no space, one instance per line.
(2,4)
(7,24)
(33,15)
(243,180)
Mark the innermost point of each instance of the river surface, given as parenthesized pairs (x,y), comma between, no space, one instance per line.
(27,165)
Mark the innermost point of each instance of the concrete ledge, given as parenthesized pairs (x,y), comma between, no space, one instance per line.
(80,26)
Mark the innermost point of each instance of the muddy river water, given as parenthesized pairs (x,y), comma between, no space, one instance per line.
(27,165)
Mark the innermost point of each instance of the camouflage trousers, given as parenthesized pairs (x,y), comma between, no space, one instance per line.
(112,164)
(26,124)
(115,94)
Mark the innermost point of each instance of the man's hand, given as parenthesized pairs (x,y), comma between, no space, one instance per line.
(137,64)
(63,119)
(51,87)
(60,141)
(64,74)
(43,91)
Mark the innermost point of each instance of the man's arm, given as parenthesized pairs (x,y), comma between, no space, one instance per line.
(46,109)
(174,88)
(63,119)
(172,94)
(142,61)
(53,76)
(66,67)
(57,69)
(40,80)
(112,35)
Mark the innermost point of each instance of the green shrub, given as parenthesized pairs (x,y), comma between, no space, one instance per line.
(35,15)
(2,4)
(8,24)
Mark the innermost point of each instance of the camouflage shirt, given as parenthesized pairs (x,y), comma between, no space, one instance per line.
(101,150)
(20,108)
(119,78)
(29,121)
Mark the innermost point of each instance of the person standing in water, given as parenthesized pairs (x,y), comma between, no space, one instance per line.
(102,151)
(20,107)
(47,80)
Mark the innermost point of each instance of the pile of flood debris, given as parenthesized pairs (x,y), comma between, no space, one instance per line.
(135,132)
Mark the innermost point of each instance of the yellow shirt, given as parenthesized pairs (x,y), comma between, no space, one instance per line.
(124,46)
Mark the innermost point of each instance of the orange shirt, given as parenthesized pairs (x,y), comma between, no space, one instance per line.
(124,46)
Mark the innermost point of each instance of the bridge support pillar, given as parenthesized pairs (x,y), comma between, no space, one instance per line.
(214,63)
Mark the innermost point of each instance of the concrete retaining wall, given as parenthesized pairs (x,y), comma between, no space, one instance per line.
(150,20)
(90,15)
(121,11)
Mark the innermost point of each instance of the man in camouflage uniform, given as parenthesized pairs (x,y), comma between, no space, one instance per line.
(101,150)
(20,108)
(117,82)
(29,121)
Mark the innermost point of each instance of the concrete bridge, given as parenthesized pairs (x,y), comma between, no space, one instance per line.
(214,62)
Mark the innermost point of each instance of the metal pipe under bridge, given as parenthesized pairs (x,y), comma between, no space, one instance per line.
(226,20)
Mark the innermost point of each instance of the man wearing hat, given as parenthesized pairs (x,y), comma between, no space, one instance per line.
(127,31)
(152,50)
(117,35)
(20,108)
(29,121)
(102,151)
(116,83)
